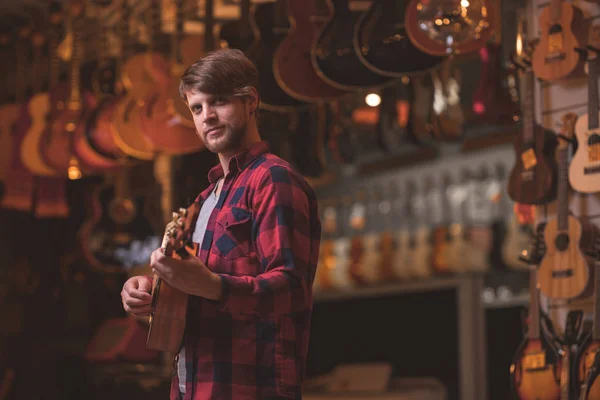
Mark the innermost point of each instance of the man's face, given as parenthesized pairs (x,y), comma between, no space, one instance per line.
(221,123)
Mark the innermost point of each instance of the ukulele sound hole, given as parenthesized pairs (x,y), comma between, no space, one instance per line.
(565,273)
(562,242)
(594,140)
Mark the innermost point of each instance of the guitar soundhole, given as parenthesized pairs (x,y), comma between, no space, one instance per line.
(554,29)
(562,242)
(594,140)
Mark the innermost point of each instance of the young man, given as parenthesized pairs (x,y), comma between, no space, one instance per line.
(258,231)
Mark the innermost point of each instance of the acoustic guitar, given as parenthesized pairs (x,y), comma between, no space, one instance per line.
(161,121)
(532,374)
(292,63)
(141,73)
(590,346)
(584,170)
(441,28)
(57,141)
(39,104)
(555,56)
(421,110)
(333,54)
(168,318)
(564,271)
(382,44)
(533,177)
(394,116)
(422,251)
(272,26)
(449,117)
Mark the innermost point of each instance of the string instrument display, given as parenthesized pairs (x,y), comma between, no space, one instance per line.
(167,121)
(533,177)
(382,44)
(333,54)
(533,375)
(564,271)
(584,169)
(292,63)
(272,24)
(555,55)
(452,26)
(57,143)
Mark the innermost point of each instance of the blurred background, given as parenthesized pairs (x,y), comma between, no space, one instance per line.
(452,144)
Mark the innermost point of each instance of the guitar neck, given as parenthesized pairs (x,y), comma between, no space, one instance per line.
(533,331)
(209,23)
(593,92)
(528,84)
(563,189)
(555,10)
(565,372)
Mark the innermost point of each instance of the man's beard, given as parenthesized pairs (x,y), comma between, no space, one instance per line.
(229,141)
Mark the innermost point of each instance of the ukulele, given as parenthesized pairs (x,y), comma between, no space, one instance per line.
(457,248)
(555,57)
(533,177)
(532,375)
(422,250)
(357,223)
(563,271)
(326,251)
(449,116)
(340,271)
(437,204)
(333,54)
(402,214)
(292,65)
(168,318)
(480,214)
(394,115)
(161,122)
(441,28)
(387,242)
(584,170)
(382,44)
(590,345)
(272,25)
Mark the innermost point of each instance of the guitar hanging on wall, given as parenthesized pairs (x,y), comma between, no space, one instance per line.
(555,57)
(584,170)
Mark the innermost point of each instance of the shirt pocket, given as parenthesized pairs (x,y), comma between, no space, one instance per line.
(233,233)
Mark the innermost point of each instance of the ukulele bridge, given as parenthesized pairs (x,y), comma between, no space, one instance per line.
(534,361)
(529,159)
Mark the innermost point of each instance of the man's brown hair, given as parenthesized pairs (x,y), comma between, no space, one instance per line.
(223,72)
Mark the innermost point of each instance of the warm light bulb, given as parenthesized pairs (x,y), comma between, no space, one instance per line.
(373,99)
(519,44)
(465,3)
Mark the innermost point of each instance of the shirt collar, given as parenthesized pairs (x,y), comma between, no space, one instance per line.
(239,161)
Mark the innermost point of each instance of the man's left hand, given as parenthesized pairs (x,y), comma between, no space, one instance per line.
(190,276)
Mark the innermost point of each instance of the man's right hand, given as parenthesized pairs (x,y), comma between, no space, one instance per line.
(136,296)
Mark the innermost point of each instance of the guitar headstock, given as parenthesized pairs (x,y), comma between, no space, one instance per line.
(567,131)
(173,228)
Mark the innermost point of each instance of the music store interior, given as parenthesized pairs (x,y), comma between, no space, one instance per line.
(453,146)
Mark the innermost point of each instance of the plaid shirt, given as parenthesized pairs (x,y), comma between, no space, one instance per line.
(263,241)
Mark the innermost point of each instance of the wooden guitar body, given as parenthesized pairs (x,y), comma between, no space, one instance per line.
(262,53)
(382,44)
(541,380)
(537,184)
(164,129)
(401,262)
(563,271)
(292,63)
(431,40)
(586,356)
(39,107)
(55,146)
(167,322)
(99,132)
(333,54)
(584,169)
(141,75)
(554,56)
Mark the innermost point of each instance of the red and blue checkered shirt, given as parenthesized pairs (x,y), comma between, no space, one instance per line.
(263,240)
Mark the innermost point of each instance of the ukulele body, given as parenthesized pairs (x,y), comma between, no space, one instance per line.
(563,272)
(536,184)
(585,358)
(584,169)
(541,383)
(554,56)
